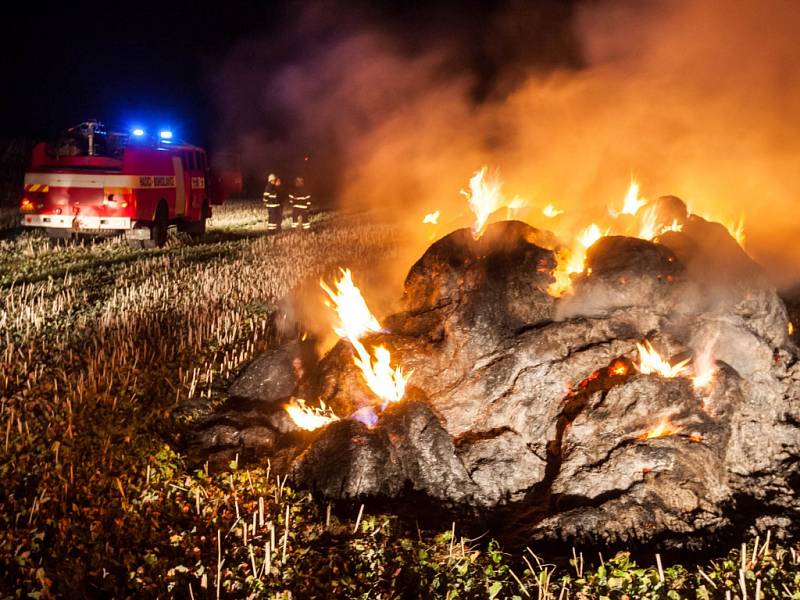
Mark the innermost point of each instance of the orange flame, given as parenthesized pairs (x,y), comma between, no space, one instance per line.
(650,362)
(632,200)
(432,218)
(551,211)
(388,383)
(309,418)
(484,198)
(663,429)
(569,262)
(791,328)
(736,229)
(355,318)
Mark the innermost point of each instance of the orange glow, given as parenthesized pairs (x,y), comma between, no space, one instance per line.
(650,362)
(484,198)
(432,218)
(309,418)
(791,328)
(551,211)
(355,318)
(663,429)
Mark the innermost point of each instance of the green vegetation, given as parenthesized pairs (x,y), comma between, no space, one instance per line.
(100,343)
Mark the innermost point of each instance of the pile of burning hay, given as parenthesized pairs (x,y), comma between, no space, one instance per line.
(619,390)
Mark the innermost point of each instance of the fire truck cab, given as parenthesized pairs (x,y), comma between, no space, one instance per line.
(94,181)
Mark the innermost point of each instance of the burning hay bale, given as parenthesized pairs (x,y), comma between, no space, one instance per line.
(655,401)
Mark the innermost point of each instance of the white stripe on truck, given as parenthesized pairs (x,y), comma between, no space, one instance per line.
(86,180)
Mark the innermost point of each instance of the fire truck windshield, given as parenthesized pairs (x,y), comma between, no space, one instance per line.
(88,139)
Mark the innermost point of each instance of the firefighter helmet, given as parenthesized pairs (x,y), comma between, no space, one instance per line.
(272,178)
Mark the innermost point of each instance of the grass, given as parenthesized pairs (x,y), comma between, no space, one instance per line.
(99,345)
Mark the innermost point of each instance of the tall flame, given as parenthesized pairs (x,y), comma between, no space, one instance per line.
(650,362)
(484,198)
(632,200)
(355,318)
(309,418)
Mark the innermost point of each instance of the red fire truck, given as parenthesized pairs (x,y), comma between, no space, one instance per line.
(94,181)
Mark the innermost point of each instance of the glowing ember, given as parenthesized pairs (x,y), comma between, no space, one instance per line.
(618,368)
(663,429)
(705,366)
(569,262)
(388,383)
(632,201)
(791,328)
(650,362)
(551,211)
(355,318)
(484,198)
(309,418)
(432,218)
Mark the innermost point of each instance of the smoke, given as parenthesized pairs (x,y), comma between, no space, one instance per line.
(698,99)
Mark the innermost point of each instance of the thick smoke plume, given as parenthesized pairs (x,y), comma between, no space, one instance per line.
(698,99)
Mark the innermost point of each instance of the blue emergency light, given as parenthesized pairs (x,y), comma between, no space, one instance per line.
(138,132)
(166,134)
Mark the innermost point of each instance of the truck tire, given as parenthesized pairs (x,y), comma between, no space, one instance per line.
(158,230)
(200,226)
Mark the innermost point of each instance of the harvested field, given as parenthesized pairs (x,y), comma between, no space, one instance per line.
(100,343)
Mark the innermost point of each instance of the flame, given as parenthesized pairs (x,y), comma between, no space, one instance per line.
(569,262)
(484,198)
(618,368)
(651,362)
(551,211)
(309,418)
(663,429)
(432,218)
(512,207)
(704,365)
(736,229)
(388,383)
(355,318)
(791,328)
(632,200)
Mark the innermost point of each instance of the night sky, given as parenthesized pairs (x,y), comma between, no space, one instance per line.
(150,64)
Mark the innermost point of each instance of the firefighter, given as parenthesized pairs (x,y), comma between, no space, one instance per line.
(300,200)
(273,203)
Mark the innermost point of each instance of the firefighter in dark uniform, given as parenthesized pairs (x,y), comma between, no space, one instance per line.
(300,199)
(273,204)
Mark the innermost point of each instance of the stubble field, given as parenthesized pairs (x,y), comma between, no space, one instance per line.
(99,343)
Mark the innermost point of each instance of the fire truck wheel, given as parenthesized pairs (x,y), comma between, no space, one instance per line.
(200,230)
(158,230)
